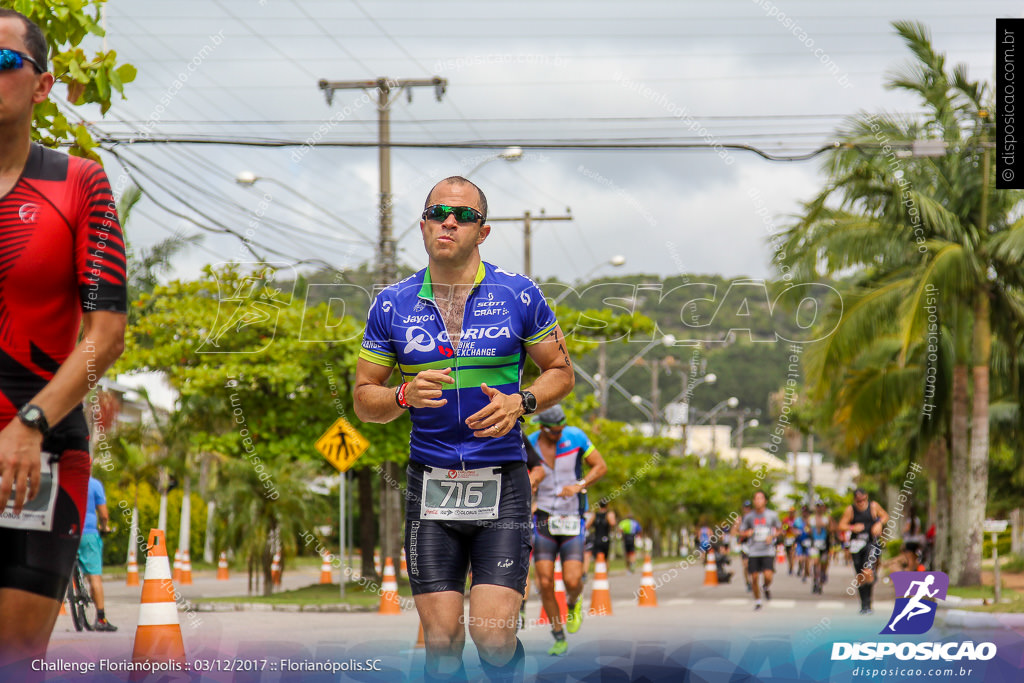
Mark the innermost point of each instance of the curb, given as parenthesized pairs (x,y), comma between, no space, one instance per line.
(963,619)
(957,601)
(264,607)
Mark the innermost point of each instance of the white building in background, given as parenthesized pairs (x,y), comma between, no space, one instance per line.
(793,468)
(805,466)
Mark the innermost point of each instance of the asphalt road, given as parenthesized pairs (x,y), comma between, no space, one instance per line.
(708,630)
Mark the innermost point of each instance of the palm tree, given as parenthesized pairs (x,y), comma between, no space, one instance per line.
(920,231)
(257,522)
(146,265)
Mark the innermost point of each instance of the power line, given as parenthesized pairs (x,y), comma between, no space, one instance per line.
(494,145)
(216,226)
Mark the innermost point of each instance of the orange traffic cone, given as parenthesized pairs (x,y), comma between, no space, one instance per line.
(647,596)
(63,609)
(404,569)
(563,606)
(710,569)
(781,556)
(158,636)
(600,597)
(177,565)
(325,570)
(275,569)
(420,644)
(132,577)
(186,569)
(222,567)
(389,591)
(376,562)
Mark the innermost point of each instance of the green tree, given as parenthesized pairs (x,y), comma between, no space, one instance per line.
(88,80)
(920,232)
(259,525)
(272,372)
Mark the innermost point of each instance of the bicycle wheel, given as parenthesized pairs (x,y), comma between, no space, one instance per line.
(83,609)
(74,605)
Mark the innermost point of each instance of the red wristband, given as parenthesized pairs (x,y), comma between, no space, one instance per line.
(400,396)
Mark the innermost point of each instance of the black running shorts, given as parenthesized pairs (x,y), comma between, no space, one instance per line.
(438,553)
(40,562)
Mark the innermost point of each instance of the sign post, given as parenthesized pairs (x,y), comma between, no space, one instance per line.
(995,527)
(341,445)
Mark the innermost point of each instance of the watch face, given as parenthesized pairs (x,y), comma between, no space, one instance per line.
(32,414)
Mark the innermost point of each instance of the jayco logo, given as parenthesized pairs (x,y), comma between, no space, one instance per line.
(914,613)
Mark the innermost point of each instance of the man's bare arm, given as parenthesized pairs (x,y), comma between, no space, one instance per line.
(374,401)
(557,377)
(844,521)
(101,344)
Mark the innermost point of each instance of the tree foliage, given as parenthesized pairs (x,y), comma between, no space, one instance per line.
(86,79)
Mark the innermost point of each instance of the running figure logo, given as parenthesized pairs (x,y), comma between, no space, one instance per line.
(914,613)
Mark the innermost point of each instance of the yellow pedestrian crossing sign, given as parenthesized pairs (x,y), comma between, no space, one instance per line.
(341,445)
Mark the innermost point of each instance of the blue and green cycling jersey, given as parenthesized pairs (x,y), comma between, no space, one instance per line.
(504,314)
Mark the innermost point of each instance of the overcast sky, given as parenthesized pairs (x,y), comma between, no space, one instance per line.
(780,76)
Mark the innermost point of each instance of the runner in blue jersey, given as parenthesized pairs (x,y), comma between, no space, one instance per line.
(558,524)
(803,543)
(822,533)
(459,332)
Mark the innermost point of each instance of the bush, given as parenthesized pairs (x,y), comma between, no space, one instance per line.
(1003,543)
(119,503)
(1012,563)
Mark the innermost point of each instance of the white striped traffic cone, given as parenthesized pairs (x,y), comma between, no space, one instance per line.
(389,591)
(563,606)
(600,596)
(647,596)
(158,636)
(710,569)
(222,567)
(132,577)
(186,569)
(275,570)
(325,570)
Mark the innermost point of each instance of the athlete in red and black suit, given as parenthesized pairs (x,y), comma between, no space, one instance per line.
(62,271)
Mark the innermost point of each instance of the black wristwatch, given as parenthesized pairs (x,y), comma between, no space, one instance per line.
(529,402)
(33,416)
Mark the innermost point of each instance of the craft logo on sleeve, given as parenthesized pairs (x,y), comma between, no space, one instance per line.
(914,612)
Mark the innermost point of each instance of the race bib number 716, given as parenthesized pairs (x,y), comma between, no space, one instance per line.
(460,495)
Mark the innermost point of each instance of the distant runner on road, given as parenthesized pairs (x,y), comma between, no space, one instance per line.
(864,520)
(558,524)
(761,527)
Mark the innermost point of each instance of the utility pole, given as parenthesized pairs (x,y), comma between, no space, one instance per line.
(526,219)
(655,396)
(387,269)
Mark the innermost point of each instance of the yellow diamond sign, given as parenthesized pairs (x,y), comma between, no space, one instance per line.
(341,445)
